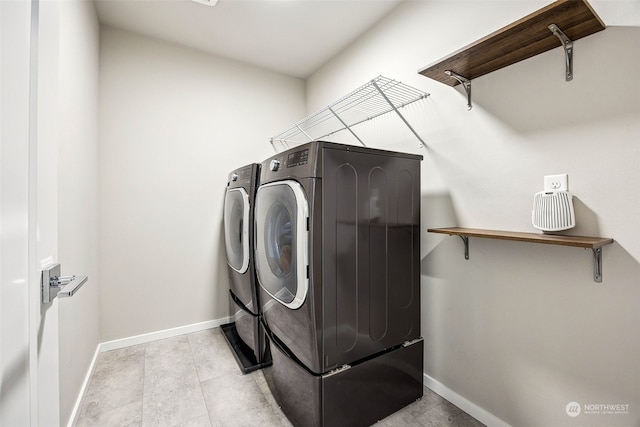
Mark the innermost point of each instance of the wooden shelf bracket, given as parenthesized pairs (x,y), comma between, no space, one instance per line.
(466,84)
(567,44)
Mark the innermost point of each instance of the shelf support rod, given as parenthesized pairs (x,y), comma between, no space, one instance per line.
(281,141)
(466,84)
(305,134)
(597,265)
(422,144)
(465,240)
(567,44)
(346,126)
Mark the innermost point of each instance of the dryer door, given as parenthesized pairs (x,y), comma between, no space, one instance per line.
(236,228)
(281,245)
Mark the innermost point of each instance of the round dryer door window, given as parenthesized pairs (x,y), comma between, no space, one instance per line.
(236,228)
(281,251)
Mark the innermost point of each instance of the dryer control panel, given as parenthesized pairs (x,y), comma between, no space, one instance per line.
(298,158)
(295,163)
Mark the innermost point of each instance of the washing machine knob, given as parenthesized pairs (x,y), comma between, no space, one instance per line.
(234,177)
(274,165)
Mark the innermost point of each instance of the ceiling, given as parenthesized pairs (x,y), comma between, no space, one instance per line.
(294,37)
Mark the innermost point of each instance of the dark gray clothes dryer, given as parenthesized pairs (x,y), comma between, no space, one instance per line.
(337,259)
(245,334)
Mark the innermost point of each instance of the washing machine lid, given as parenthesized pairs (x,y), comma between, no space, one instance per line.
(281,245)
(236,228)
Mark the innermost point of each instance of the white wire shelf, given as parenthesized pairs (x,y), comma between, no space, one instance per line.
(379,96)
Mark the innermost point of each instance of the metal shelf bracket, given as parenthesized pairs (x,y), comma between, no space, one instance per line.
(465,240)
(567,44)
(597,265)
(597,259)
(466,84)
(587,242)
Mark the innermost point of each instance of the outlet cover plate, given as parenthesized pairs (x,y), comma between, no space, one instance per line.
(556,182)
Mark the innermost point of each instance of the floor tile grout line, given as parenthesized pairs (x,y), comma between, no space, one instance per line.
(144,372)
(198,375)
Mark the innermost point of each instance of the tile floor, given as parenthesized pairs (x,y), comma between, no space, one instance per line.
(193,381)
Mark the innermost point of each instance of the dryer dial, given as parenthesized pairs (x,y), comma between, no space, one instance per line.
(274,165)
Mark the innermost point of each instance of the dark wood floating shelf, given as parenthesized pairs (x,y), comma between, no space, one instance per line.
(593,243)
(527,37)
(530,36)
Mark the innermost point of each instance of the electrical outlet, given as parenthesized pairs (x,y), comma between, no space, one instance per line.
(556,182)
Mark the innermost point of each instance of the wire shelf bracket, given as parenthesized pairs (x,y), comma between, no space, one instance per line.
(377,97)
(346,126)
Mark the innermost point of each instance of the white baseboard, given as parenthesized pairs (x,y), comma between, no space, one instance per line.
(461,402)
(83,389)
(158,335)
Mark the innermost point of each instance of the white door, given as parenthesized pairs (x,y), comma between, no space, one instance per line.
(14,243)
(29,388)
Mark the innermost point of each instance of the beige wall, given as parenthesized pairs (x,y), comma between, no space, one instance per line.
(519,329)
(173,123)
(77,194)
